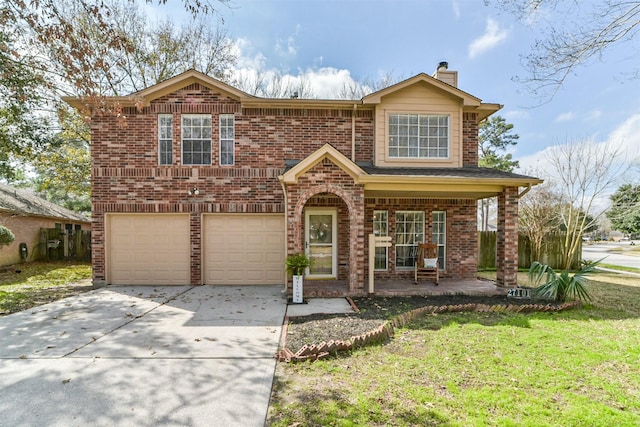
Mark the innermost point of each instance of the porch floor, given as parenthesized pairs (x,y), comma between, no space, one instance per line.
(402,287)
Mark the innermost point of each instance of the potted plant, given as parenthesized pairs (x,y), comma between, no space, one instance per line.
(296,265)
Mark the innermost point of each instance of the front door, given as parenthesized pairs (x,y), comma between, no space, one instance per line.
(321,242)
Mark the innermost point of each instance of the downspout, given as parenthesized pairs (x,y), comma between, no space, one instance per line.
(525,191)
(286,231)
(353,133)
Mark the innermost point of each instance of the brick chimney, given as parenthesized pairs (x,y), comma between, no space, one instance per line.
(442,73)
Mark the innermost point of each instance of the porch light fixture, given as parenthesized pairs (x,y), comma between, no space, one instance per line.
(194,191)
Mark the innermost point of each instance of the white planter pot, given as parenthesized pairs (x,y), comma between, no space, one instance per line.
(297,289)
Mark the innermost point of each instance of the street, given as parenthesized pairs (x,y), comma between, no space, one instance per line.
(596,251)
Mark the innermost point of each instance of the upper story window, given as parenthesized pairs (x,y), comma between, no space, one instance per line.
(227,138)
(418,136)
(196,139)
(165,139)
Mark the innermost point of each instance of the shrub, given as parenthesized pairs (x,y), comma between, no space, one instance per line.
(563,285)
(6,236)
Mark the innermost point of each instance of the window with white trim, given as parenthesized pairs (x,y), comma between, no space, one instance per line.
(227,136)
(165,139)
(439,235)
(381,229)
(409,232)
(196,139)
(418,136)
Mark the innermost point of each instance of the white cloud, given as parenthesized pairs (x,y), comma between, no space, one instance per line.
(625,138)
(287,47)
(456,9)
(493,36)
(566,117)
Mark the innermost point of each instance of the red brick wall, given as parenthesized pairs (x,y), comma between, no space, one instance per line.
(127,177)
(469,139)
(461,232)
(507,238)
(322,184)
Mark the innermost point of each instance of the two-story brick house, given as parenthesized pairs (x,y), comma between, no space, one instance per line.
(201,183)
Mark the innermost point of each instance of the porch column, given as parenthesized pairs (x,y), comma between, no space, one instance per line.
(358,242)
(507,238)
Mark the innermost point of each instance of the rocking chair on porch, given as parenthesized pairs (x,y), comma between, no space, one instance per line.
(426,264)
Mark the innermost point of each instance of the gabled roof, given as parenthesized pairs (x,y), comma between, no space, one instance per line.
(327,151)
(145,96)
(376,97)
(469,102)
(185,79)
(25,203)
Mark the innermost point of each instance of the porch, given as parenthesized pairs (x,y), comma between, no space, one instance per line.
(403,287)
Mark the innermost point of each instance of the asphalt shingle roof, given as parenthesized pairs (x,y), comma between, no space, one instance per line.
(24,202)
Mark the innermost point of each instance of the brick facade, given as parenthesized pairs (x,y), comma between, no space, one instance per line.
(127,178)
(507,238)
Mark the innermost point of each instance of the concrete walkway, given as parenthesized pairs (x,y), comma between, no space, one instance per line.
(142,356)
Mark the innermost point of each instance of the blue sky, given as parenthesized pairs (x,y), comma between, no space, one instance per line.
(332,41)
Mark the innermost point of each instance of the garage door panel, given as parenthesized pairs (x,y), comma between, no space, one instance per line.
(243,249)
(149,249)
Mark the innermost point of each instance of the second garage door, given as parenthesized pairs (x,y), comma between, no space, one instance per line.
(243,249)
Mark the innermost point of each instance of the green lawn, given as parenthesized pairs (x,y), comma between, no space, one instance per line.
(576,368)
(31,284)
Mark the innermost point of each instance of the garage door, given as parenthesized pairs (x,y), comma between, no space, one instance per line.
(243,249)
(148,249)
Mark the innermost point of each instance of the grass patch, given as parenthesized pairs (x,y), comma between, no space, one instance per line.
(27,285)
(619,268)
(573,368)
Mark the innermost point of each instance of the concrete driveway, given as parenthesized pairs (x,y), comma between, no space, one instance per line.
(142,356)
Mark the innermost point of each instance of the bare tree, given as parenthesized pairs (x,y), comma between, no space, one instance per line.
(584,172)
(580,33)
(538,217)
(274,84)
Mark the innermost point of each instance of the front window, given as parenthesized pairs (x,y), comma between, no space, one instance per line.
(196,139)
(418,136)
(409,232)
(381,229)
(439,235)
(227,135)
(165,139)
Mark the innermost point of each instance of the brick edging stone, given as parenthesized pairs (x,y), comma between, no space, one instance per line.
(312,352)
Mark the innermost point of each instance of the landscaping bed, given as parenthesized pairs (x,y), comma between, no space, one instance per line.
(305,334)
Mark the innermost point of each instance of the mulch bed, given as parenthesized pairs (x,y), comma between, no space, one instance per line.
(320,335)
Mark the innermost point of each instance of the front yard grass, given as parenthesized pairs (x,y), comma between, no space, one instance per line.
(574,368)
(28,285)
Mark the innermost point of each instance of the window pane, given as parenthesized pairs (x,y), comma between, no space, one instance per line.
(409,232)
(196,141)
(410,131)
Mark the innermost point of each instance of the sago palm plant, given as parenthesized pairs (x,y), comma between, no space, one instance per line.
(563,285)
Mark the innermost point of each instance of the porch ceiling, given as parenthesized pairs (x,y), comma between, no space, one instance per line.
(439,187)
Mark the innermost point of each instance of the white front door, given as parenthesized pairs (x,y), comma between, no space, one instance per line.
(321,241)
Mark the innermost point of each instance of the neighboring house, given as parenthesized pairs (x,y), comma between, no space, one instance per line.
(25,214)
(196,182)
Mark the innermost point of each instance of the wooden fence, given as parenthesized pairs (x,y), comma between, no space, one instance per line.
(59,244)
(551,251)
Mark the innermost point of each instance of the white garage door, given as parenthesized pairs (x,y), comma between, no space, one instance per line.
(148,249)
(243,249)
